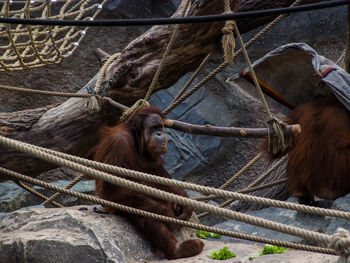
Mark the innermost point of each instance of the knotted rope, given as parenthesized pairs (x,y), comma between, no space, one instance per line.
(339,244)
(137,105)
(278,141)
(281,142)
(164,218)
(93,103)
(144,102)
(228,39)
(82,165)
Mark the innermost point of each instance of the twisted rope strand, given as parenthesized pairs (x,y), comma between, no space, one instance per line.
(69,186)
(233,178)
(38,194)
(164,218)
(45,92)
(66,160)
(224,64)
(254,183)
(184,88)
(165,55)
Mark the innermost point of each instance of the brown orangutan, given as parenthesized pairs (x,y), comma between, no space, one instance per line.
(138,144)
(319,159)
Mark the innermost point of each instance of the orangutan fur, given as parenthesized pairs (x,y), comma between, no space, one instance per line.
(319,159)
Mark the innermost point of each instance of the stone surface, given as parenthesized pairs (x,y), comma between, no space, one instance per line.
(245,251)
(77,234)
(13,197)
(322,224)
(73,235)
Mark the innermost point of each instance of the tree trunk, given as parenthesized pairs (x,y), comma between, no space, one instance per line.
(70,128)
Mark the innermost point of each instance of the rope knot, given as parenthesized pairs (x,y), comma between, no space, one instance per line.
(93,104)
(137,105)
(228,40)
(228,28)
(278,141)
(340,243)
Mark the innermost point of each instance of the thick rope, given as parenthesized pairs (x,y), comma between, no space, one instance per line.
(34,192)
(197,86)
(184,88)
(253,184)
(144,102)
(243,170)
(164,218)
(103,71)
(224,64)
(31,46)
(279,141)
(137,105)
(68,186)
(283,141)
(337,243)
(247,190)
(62,159)
(233,178)
(252,72)
(228,39)
(45,92)
(165,55)
(268,172)
(260,187)
(93,104)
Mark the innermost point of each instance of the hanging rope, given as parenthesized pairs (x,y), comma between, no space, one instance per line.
(228,39)
(224,64)
(342,241)
(165,55)
(137,105)
(69,186)
(166,219)
(80,164)
(93,104)
(34,192)
(282,141)
(233,178)
(182,91)
(254,183)
(144,102)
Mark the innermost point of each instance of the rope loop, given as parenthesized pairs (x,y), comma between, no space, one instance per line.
(137,105)
(339,244)
(93,103)
(278,141)
(228,40)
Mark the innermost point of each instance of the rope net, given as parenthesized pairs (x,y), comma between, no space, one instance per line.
(32,46)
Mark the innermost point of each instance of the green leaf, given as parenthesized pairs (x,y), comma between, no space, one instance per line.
(270,249)
(205,234)
(202,234)
(223,254)
(214,235)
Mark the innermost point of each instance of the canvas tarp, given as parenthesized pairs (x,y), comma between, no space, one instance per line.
(297,73)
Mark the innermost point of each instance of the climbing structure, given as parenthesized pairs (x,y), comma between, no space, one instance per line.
(31,46)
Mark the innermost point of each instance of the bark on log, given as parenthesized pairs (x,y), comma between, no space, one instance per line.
(70,128)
